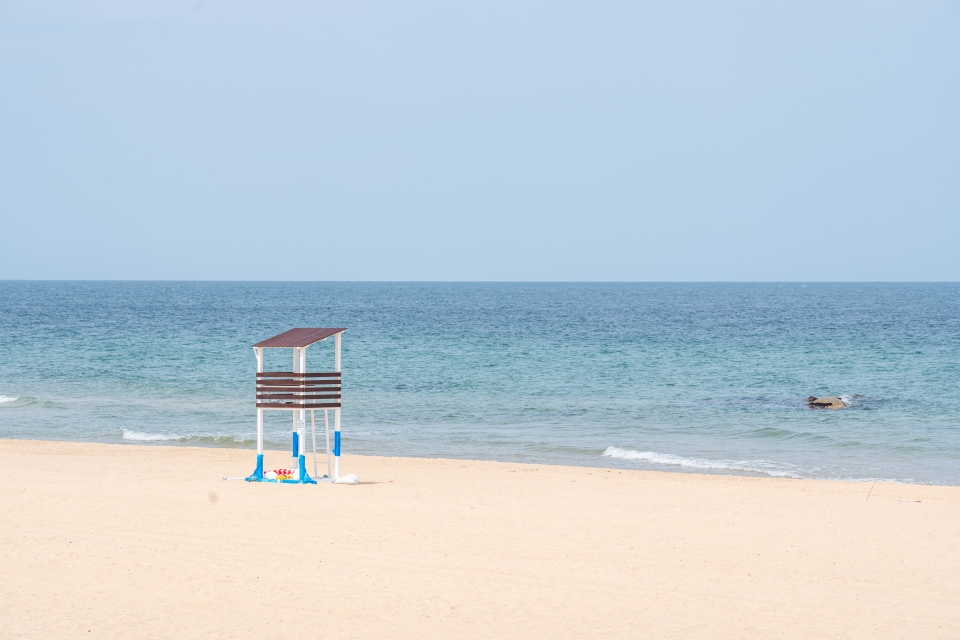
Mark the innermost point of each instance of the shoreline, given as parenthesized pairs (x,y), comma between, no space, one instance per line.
(110,541)
(609,463)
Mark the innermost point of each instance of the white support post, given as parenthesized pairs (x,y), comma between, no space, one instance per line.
(302,423)
(336,357)
(260,431)
(336,439)
(259,354)
(296,368)
(336,417)
(313,432)
(326,428)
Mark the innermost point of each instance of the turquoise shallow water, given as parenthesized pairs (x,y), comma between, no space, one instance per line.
(686,377)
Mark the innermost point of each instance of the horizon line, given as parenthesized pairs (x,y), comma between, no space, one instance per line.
(200,280)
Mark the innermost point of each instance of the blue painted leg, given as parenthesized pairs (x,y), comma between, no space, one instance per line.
(257,476)
(304,477)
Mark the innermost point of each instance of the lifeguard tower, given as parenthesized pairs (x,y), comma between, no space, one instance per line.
(299,391)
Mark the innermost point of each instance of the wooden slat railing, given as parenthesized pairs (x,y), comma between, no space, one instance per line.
(288,390)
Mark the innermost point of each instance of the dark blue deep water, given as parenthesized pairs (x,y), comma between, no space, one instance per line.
(699,377)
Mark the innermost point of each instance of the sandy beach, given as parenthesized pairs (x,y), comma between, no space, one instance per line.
(122,541)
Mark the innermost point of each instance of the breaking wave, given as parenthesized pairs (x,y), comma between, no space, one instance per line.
(773,469)
(140,436)
(208,440)
(16,402)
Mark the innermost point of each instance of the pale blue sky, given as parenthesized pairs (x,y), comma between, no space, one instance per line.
(362,140)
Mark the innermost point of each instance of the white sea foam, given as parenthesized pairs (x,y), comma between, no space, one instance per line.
(217,440)
(8,398)
(129,434)
(779,470)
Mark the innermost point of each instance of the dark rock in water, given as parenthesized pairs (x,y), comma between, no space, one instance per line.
(826,402)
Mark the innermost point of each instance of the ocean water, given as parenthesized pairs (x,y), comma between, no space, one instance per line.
(709,378)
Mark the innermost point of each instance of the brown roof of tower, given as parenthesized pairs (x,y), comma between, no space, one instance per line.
(302,337)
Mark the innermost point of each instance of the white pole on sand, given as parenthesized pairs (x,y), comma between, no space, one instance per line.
(260,432)
(257,475)
(326,428)
(303,412)
(336,420)
(259,353)
(295,435)
(336,444)
(313,431)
